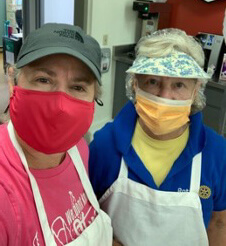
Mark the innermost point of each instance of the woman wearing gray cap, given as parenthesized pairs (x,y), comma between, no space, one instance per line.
(157,170)
(46,196)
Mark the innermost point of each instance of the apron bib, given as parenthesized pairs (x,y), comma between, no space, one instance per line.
(96,234)
(144,216)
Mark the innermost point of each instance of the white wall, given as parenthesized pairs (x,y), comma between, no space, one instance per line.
(116,19)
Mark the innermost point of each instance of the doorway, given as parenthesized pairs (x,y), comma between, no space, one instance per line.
(10,24)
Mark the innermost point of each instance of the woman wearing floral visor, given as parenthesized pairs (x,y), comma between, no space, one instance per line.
(158,171)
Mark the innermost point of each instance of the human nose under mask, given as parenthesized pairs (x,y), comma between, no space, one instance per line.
(161,115)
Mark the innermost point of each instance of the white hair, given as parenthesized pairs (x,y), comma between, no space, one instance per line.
(162,43)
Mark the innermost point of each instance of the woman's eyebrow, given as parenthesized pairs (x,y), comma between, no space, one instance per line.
(78,78)
(82,78)
(47,71)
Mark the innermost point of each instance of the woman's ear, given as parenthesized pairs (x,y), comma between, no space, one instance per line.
(135,83)
(10,79)
(11,90)
(196,89)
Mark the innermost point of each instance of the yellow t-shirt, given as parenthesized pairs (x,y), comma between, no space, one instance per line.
(157,155)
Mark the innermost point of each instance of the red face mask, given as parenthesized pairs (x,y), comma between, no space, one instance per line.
(49,122)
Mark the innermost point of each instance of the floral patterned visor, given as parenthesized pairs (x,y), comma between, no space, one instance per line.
(176,64)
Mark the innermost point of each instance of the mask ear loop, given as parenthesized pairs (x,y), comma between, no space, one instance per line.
(135,88)
(7,79)
(195,91)
(99,102)
(6,110)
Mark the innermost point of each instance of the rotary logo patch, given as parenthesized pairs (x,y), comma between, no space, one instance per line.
(204,192)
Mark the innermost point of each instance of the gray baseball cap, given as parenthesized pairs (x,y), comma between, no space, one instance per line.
(55,38)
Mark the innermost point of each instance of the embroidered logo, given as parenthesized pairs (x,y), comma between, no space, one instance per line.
(67,33)
(204,192)
(182,190)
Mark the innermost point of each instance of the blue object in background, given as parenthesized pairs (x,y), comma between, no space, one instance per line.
(6,25)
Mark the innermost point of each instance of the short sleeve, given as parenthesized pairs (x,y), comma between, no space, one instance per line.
(219,198)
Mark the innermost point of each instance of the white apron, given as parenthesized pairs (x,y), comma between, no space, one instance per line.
(147,217)
(99,233)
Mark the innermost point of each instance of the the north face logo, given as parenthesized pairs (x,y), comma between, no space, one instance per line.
(67,33)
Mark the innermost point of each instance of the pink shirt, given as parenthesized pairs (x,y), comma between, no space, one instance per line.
(68,210)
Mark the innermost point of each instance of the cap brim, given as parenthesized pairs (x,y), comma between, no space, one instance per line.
(176,64)
(37,54)
(135,71)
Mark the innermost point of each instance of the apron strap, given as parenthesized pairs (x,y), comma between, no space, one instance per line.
(79,166)
(196,173)
(123,173)
(48,236)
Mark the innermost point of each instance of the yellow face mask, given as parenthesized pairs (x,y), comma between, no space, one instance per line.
(161,115)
